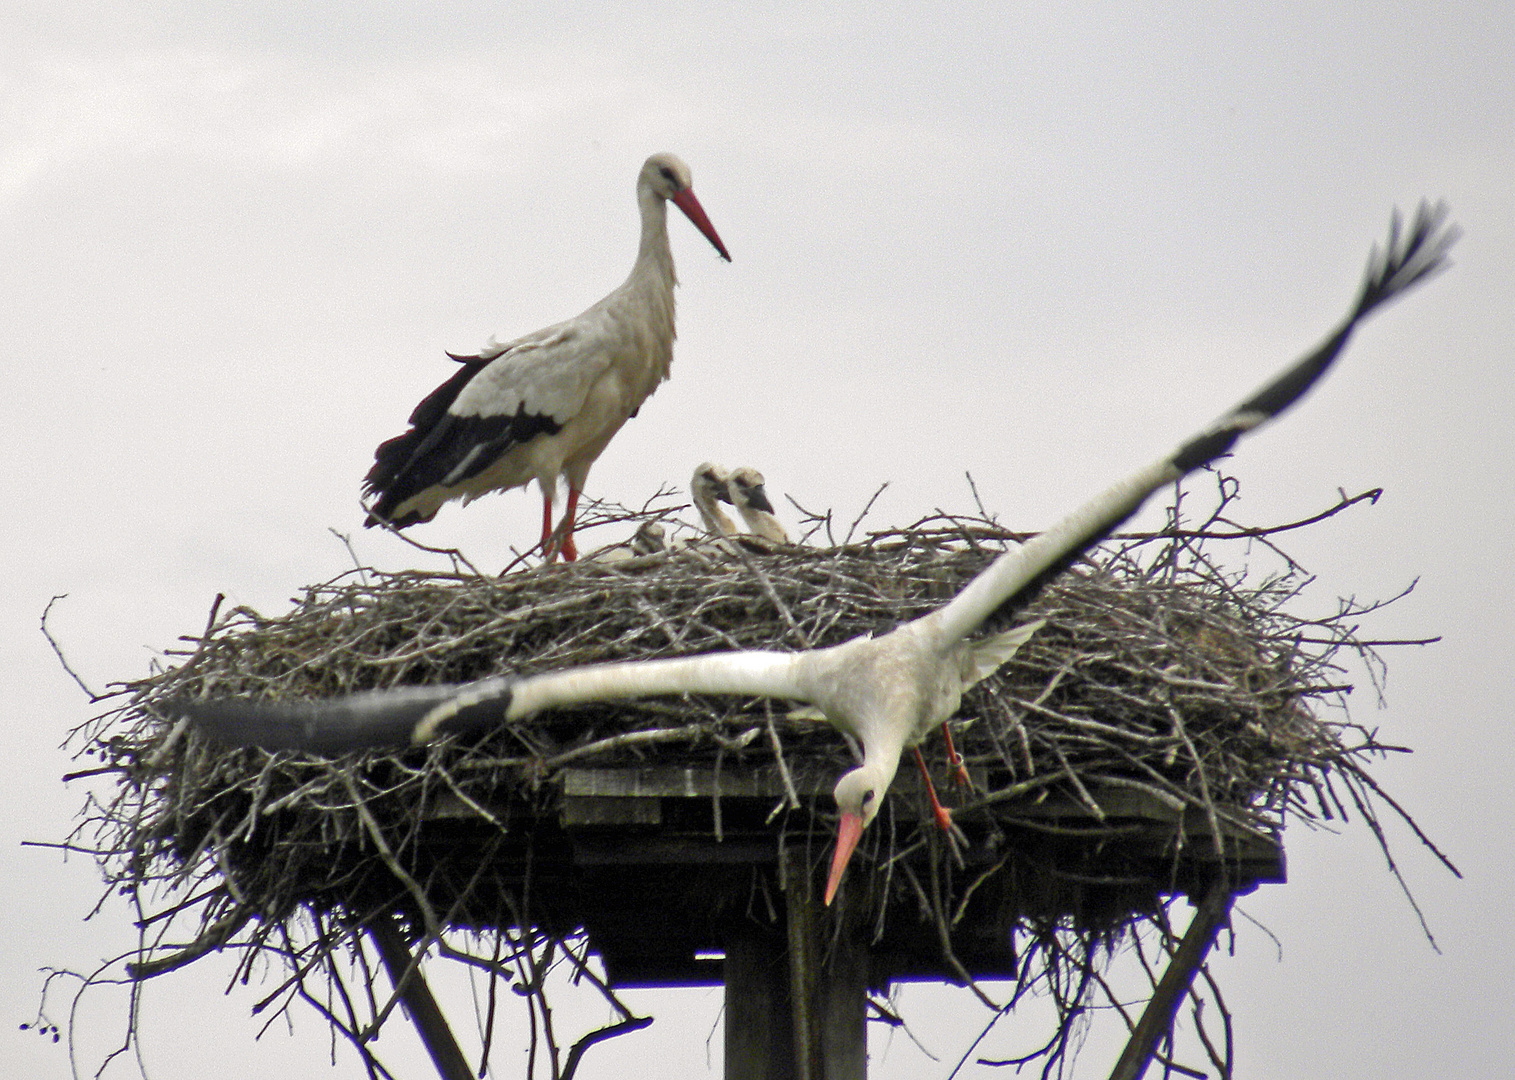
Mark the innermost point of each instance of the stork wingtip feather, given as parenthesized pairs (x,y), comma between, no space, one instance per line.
(371,720)
(1409,257)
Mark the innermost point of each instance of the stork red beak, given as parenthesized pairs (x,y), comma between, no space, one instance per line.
(686,202)
(848,832)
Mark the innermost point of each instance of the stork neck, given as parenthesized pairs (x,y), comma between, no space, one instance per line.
(717,523)
(654,257)
(882,753)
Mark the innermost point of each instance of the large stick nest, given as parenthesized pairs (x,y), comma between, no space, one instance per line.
(1157,671)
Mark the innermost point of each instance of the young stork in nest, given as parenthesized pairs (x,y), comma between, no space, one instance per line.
(887,692)
(746,486)
(545,405)
(741,488)
(709,485)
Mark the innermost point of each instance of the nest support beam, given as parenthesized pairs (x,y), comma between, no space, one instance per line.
(405,973)
(796,1001)
(1157,1019)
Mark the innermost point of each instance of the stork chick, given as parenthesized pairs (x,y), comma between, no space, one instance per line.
(751,501)
(711,484)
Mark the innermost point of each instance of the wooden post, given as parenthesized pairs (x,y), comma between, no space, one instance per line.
(796,996)
(415,995)
(1157,1018)
(801,915)
(842,1012)
(759,1019)
(829,987)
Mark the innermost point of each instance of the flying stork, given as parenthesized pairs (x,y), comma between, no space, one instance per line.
(545,405)
(888,691)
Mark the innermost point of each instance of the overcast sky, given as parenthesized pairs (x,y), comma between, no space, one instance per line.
(1034,243)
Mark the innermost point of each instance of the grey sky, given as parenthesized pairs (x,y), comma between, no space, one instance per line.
(1033,245)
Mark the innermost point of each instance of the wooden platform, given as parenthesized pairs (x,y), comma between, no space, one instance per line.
(701,876)
(673,861)
(659,864)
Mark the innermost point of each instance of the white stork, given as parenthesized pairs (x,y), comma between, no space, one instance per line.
(711,484)
(751,501)
(545,405)
(887,692)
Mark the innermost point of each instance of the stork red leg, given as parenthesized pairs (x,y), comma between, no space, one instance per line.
(570,553)
(943,815)
(955,760)
(547,548)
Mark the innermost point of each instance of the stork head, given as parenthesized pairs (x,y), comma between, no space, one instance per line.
(707,486)
(859,794)
(649,539)
(747,488)
(667,177)
(710,482)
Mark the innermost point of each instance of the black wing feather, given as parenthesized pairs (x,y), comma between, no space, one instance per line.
(1422,255)
(438,442)
(1390,273)
(373,719)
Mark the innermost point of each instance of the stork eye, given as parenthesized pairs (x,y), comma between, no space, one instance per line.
(868,796)
(668,175)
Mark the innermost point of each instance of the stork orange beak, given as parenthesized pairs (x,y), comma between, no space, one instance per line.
(686,202)
(848,832)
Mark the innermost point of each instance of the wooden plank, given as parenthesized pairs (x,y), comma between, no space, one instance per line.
(580,811)
(679,782)
(410,986)
(703,782)
(617,850)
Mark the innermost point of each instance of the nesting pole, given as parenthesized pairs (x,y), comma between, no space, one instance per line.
(796,1000)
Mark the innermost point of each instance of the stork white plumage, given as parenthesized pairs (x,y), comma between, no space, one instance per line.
(711,484)
(888,692)
(751,501)
(545,405)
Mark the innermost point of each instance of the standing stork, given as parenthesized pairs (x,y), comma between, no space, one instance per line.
(545,405)
(888,692)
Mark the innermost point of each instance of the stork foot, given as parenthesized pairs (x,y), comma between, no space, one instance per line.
(943,818)
(941,813)
(559,542)
(960,776)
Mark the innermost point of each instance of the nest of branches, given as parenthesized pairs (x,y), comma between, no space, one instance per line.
(1159,672)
